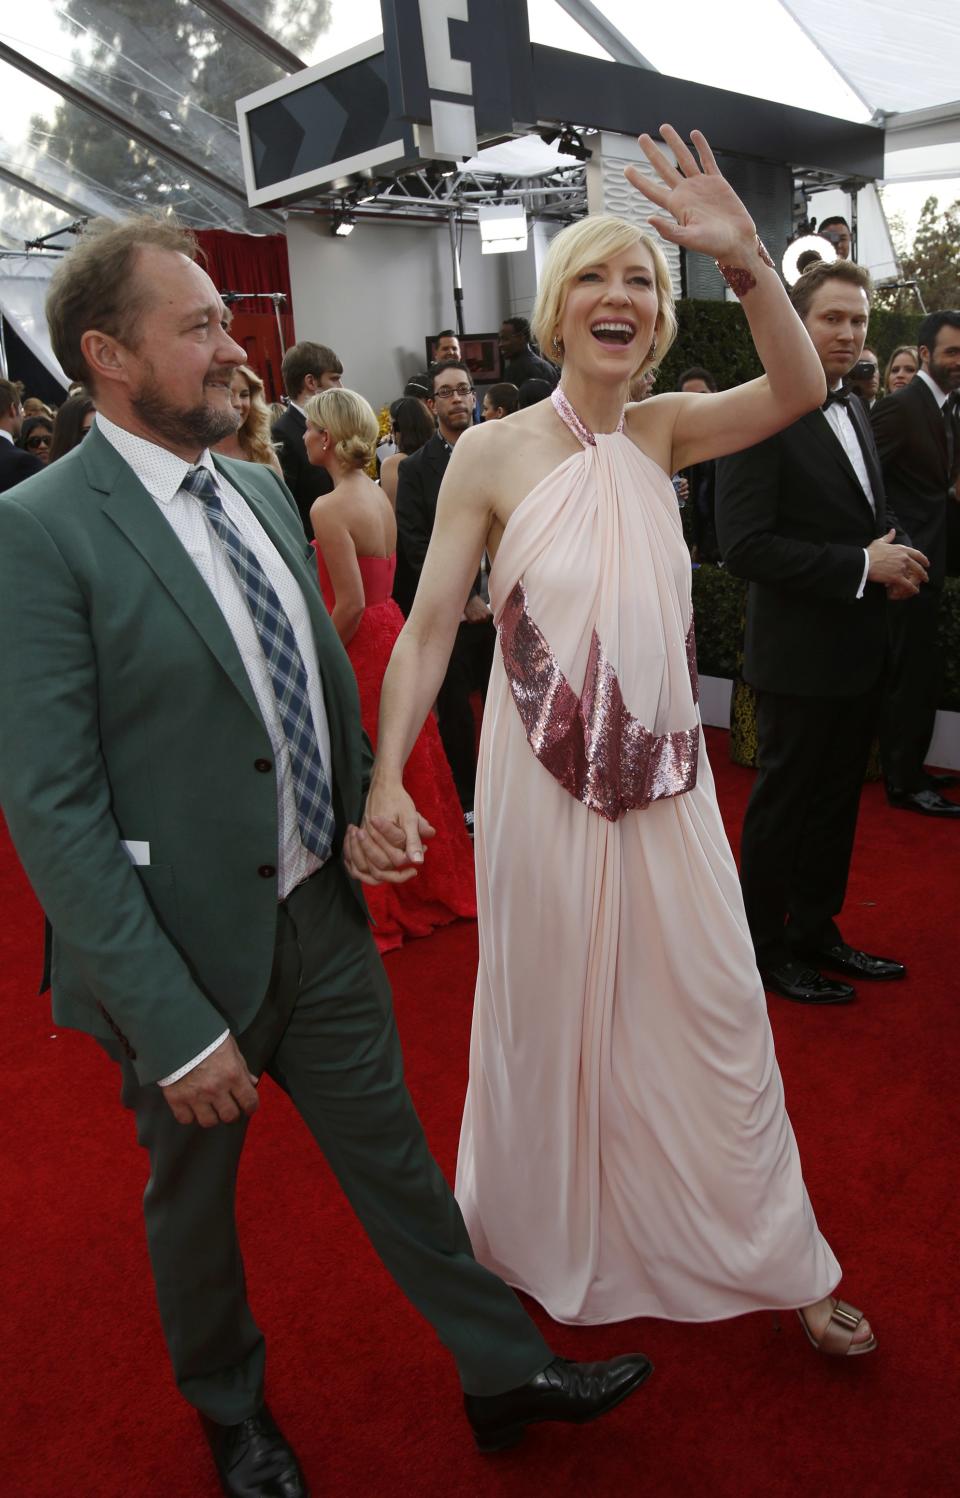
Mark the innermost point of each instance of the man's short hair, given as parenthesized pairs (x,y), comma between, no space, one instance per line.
(697,372)
(503,397)
(442,367)
(828,223)
(803,291)
(303,359)
(519,325)
(447,333)
(932,323)
(9,397)
(95,286)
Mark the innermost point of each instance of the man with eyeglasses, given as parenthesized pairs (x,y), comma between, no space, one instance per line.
(15,464)
(420,476)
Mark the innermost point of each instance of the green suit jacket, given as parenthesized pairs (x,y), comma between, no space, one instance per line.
(126,714)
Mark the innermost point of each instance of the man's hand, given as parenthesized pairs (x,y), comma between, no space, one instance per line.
(900,569)
(388,848)
(476,611)
(216,1091)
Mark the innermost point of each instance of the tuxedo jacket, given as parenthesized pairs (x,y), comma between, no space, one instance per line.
(126,715)
(418,485)
(304,479)
(793,519)
(910,432)
(16,465)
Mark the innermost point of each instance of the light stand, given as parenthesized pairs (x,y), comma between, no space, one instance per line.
(457,279)
(278,298)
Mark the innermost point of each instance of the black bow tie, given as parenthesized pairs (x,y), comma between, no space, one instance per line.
(842,397)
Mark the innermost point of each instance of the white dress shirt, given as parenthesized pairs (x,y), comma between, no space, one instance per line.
(162,473)
(841,424)
(940,396)
(8,435)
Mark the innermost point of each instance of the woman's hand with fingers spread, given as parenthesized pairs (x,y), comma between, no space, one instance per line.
(706,213)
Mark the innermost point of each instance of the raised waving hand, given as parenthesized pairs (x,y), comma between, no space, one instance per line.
(706,213)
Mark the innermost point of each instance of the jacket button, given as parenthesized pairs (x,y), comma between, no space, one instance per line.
(267,870)
(263,765)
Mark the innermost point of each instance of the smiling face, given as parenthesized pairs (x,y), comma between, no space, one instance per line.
(836,321)
(240,395)
(173,388)
(902,371)
(942,362)
(609,314)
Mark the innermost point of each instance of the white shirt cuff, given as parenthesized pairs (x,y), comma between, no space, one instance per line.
(182,1072)
(866,569)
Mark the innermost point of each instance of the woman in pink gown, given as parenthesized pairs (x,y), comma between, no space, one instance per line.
(356,557)
(625,1147)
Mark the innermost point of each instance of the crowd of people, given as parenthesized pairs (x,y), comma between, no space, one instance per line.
(217,692)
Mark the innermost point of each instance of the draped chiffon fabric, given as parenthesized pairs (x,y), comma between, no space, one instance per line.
(625,1149)
(444,889)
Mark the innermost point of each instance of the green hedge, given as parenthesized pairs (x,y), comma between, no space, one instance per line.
(718,601)
(716,335)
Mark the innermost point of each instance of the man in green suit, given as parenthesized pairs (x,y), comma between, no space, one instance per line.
(182,768)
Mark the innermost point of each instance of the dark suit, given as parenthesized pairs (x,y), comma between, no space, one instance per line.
(794,520)
(530,366)
(126,712)
(16,465)
(304,479)
(418,486)
(911,437)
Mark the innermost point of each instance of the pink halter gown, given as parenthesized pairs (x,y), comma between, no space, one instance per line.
(625,1150)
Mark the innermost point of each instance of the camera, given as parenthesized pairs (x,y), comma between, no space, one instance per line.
(865,369)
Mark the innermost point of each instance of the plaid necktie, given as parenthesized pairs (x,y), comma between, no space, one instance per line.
(288,675)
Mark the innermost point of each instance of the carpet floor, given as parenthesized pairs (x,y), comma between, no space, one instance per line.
(371,1400)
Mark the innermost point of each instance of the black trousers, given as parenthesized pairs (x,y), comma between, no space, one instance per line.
(326,1035)
(468,672)
(910,698)
(799,828)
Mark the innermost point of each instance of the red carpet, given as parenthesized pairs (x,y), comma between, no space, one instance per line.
(371,1400)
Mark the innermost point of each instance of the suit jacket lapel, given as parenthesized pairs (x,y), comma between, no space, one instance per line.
(128,505)
(861,421)
(822,432)
(932,415)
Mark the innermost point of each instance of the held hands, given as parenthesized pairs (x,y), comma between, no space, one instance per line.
(476,611)
(216,1091)
(707,214)
(900,569)
(389,847)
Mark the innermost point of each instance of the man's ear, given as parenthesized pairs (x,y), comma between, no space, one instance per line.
(924,355)
(105,356)
(310,384)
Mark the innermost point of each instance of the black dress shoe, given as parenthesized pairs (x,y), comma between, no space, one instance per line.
(928,803)
(253,1459)
(803,984)
(846,959)
(576,1392)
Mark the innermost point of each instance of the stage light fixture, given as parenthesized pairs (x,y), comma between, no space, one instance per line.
(503,228)
(813,245)
(344,223)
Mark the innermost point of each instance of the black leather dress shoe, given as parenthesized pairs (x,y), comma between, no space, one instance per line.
(842,958)
(803,984)
(928,803)
(576,1392)
(253,1459)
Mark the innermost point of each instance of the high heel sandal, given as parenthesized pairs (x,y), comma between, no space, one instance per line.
(836,1339)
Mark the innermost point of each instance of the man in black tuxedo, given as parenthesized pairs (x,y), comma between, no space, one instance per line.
(917,430)
(803,516)
(15,464)
(418,485)
(306,368)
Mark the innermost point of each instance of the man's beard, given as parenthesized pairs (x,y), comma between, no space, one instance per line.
(183,427)
(948,379)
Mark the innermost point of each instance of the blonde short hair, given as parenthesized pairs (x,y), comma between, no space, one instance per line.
(350,421)
(587,242)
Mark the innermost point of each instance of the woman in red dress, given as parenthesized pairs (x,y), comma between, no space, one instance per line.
(356,539)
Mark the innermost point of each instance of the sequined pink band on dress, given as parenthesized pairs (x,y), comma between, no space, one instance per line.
(591,744)
(569,416)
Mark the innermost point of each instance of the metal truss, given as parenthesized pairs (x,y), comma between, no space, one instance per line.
(430,193)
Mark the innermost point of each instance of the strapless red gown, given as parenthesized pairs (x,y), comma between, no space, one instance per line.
(445,888)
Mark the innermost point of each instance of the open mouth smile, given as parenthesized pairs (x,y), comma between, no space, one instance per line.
(614,331)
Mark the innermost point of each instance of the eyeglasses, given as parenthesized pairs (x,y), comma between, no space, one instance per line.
(32,443)
(447,392)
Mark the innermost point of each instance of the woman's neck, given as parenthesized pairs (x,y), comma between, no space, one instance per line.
(230,446)
(599,406)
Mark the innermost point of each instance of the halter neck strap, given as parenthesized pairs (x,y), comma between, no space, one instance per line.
(570,418)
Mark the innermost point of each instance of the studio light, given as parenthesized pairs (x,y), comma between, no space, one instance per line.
(344,223)
(813,246)
(503,228)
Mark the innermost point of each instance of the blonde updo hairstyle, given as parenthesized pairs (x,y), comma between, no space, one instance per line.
(350,422)
(585,243)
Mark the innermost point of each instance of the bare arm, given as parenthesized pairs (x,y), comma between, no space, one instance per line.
(340,554)
(389,474)
(708,216)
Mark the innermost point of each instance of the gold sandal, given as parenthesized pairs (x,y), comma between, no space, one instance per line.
(836,1339)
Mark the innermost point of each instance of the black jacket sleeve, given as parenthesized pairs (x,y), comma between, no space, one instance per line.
(415,514)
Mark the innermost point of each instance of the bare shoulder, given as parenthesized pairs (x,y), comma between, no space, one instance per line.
(650,423)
